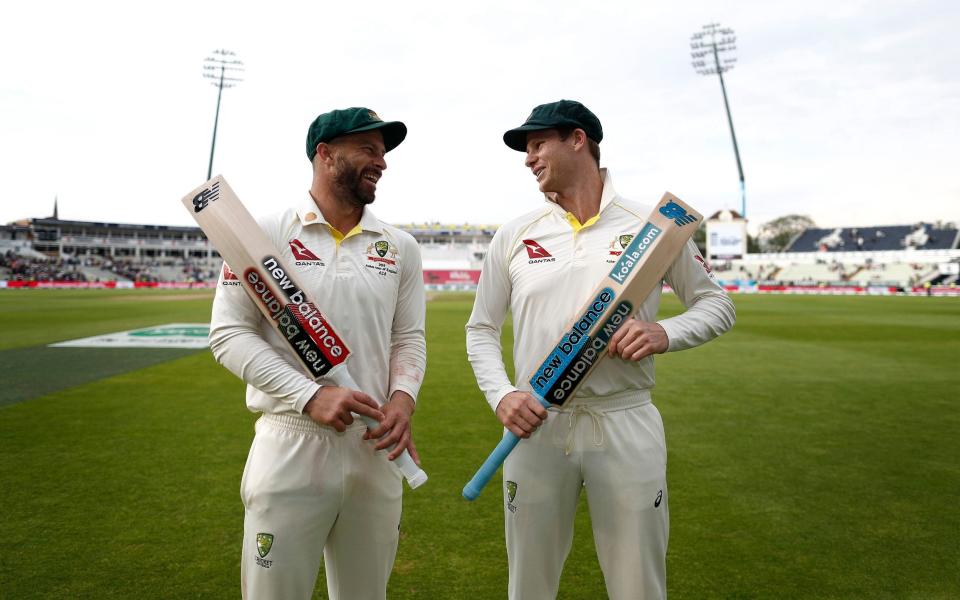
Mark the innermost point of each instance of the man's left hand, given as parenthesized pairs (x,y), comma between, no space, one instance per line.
(636,340)
(395,427)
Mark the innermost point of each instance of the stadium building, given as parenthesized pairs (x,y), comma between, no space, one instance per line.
(919,259)
(84,254)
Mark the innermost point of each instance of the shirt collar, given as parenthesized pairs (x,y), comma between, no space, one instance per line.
(309,214)
(609,193)
(607,196)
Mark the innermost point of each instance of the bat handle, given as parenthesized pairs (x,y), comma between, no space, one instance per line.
(489,467)
(414,475)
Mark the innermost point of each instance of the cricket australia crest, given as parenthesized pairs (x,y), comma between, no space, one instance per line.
(617,246)
(264,544)
(511,495)
(377,257)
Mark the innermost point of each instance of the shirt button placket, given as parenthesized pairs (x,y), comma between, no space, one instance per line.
(578,249)
(343,258)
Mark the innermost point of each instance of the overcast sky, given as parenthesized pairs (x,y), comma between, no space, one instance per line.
(848,112)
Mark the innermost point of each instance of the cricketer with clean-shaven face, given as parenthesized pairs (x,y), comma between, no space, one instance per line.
(541,267)
(318,484)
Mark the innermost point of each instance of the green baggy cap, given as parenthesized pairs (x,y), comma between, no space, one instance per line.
(563,113)
(352,120)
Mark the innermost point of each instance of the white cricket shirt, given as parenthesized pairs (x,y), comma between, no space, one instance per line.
(541,269)
(370,288)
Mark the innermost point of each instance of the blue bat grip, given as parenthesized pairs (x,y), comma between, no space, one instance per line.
(489,467)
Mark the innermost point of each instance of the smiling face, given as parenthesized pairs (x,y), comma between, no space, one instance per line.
(358,165)
(549,159)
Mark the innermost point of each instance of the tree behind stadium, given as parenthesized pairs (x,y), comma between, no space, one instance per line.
(776,235)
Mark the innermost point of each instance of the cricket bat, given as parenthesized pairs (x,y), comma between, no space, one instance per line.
(273,286)
(640,268)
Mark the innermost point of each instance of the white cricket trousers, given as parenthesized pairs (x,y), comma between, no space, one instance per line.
(614,447)
(309,492)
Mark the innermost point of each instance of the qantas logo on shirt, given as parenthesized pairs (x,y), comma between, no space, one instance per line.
(304,256)
(229,277)
(537,253)
(706,267)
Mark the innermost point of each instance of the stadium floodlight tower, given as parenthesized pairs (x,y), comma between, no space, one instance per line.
(711,52)
(221,67)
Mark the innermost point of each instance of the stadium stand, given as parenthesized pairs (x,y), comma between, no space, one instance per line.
(810,273)
(898,269)
(428,232)
(891,257)
(922,236)
(741,270)
(95,273)
(46,269)
(897,274)
(452,256)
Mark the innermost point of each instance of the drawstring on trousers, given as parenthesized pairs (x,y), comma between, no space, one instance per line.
(573,415)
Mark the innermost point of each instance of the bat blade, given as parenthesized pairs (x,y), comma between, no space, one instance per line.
(274,288)
(640,268)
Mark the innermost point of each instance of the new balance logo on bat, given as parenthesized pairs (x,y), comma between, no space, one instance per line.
(564,375)
(205,197)
(306,313)
(572,342)
(674,211)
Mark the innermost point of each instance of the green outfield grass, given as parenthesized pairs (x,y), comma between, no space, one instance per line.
(813,453)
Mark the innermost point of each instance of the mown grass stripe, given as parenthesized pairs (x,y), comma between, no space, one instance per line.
(811,455)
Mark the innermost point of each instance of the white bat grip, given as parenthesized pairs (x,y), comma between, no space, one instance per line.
(414,475)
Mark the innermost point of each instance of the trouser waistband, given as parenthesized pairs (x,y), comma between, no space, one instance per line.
(621,401)
(304,424)
(595,408)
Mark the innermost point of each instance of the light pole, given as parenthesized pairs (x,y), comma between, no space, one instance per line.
(217,67)
(706,48)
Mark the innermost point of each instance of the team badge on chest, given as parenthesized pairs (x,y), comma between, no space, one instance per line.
(382,257)
(617,246)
